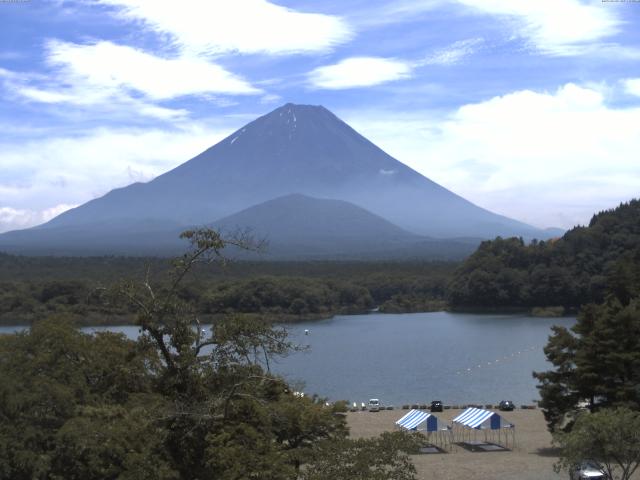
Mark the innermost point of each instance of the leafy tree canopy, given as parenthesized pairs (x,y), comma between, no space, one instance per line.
(583,266)
(179,403)
(597,361)
(611,437)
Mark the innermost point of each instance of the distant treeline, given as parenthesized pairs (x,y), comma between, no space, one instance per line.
(583,266)
(36,287)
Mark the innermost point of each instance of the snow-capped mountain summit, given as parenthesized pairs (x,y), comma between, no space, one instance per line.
(300,149)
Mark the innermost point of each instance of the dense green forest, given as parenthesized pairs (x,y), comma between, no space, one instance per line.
(34,287)
(95,407)
(581,267)
(590,397)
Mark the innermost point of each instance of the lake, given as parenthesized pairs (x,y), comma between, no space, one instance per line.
(416,358)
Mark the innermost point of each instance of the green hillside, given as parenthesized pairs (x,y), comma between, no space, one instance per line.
(581,267)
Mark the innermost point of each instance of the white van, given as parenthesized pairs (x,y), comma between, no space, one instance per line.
(374,405)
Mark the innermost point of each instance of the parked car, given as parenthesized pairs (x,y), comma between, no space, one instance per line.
(374,405)
(436,406)
(588,470)
(506,406)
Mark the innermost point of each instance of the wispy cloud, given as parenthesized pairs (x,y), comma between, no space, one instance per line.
(107,74)
(554,27)
(359,72)
(454,53)
(355,72)
(550,27)
(10,55)
(111,66)
(373,15)
(244,26)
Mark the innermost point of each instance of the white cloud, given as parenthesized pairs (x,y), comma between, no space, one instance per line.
(556,27)
(359,72)
(13,218)
(245,26)
(553,27)
(632,86)
(42,176)
(123,80)
(454,53)
(356,72)
(107,65)
(45,96)
(105,103)
(548,158)
(386,13)
(270,98)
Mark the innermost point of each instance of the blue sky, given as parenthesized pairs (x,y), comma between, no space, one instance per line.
(528,108)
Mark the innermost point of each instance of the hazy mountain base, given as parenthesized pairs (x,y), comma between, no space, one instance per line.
(294,227)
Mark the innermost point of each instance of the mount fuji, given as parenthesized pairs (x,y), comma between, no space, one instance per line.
(302,153)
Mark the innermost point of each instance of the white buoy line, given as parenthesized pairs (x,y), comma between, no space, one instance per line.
(497,362)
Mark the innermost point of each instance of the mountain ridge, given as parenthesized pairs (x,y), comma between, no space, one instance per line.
(293,149)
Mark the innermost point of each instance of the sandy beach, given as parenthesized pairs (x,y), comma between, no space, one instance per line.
(532,458)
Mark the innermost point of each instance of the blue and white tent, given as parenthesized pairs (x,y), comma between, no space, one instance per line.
(418,420)
(479,418)
(475,419)
(428,424)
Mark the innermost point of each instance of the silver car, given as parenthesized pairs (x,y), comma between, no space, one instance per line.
(588,470)
(374,405)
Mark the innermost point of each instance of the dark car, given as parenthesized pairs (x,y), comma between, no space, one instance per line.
(436,406)
(588,470)
(506,406)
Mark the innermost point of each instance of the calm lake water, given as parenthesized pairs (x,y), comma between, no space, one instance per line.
(416,358)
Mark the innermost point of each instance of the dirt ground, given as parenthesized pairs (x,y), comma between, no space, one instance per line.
(532,458)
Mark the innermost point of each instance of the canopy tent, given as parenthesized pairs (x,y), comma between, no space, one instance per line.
(425,422)
(415,418)
(491,423)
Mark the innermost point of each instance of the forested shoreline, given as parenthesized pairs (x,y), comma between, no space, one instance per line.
(582,267)
(35,287)
(101,406)
(168,406)
(503,275)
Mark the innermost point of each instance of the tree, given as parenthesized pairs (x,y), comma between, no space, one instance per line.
(382,458)
(583,266)
(609,436)
(598,360)
(178,403)
(230,418)
(74,405)
(557,387)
